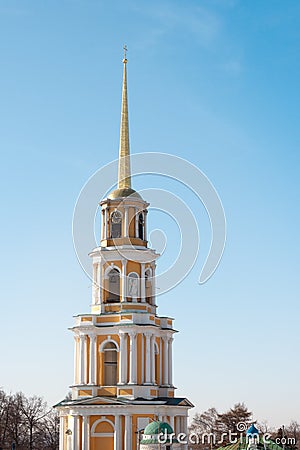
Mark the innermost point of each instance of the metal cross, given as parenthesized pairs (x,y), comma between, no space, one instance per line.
(125,51)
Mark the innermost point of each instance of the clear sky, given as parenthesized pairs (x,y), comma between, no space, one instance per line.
(215,82)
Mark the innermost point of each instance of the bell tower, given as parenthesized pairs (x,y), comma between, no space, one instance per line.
(123,349)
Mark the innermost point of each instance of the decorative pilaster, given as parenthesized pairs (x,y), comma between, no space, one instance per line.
(105,225)
(85,433)
(142,359)
(124,293)
(99,284)
(153,284)
(93,359)
(136,222)
(128,432)
(76,343)
(148,357)
(61,432)
(184,428)
(143,283)
(145,225)
(75,433)
(126,221)
(117,433)
(94,285)
(166,361)
(123,358)
(153,359)
(172,422)
(170,361)
(132,373)
(82,358)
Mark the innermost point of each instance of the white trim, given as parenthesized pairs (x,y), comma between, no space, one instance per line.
(103,419)
(102,345)
(109,269)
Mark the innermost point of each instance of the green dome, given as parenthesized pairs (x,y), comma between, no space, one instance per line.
(154,429)
(157,427)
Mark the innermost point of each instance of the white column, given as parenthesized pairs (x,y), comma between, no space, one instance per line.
(145,225)
(142,359)
(117,440)
(178,428)
(99,283)
(85,433)
(170,362)
(153,284)
(160,362)
(184,428)
(126,221)
(132,374)
(124,265)
(143,283)
(166,361)
(172,422)
(128,433)
(82,359)
(148,357)
(123,358)
(93,359)
(75,433)
(76,360)
(105,224)
(94,284)
(136,222)
(153,359)
(61,432)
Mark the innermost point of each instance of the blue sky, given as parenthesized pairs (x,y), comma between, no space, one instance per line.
(215,82)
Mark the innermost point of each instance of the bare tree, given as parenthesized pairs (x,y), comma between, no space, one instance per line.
(27,423)
(33,410)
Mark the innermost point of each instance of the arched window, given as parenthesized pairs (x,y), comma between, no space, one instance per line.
(113,286)
(141,226)
(133,285)
(116,224)
(110,364)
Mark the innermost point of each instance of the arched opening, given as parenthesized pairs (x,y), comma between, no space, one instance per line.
(116,224)
(141,226)
(102,435)
(133,286)
(110,364)
(113,286)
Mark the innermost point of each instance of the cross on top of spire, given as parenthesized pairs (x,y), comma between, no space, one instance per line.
(125,54)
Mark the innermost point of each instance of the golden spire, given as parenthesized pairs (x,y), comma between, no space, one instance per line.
(124,178)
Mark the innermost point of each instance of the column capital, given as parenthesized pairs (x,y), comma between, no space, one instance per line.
(148,334)
(132,334)
(83,337)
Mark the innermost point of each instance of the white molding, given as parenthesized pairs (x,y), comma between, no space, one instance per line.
(102,345)
(109,269)
(95,424)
